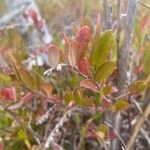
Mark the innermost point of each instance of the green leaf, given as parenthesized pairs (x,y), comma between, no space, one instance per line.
(68,97)
(104,71)
(101,47)
(106,90)
(78,98)
(5,80)
(120,105)
(103,128)
(21,134)
(146,59)
(137,87)
(27,79)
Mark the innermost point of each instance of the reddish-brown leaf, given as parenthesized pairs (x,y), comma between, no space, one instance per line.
(26,98)
(34,16)
(110,135)
(32,13)
(72,53)
(114,89)
(1,146)
(46,89)
(82,37)
(8,93)
(88,84)
(83,66)
(55,98)
(105,103)
(53,55)
(143,22)
(90,133)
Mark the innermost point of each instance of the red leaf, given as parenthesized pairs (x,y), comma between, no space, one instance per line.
(55,98)
(88,84)
(37,22)
(114,89)
(26,99)
(105,103)
(72,53)
(110,135)
(8,93)
(40,24)
(53,55)
(90,133)
(82,37)
(144,22)
(32,13)
(83,66)
(1,146)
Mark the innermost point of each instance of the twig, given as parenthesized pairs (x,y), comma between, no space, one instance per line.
(137,126)
(9,17)
(123,143)
(56,131)
(12,26)
(121,96)
(138,106)
(45,117)
(122,63)
(144,5)
(55,135)
(145,134)
(49,99)
(107,15)
(33,133)
(80,73)
(118,26)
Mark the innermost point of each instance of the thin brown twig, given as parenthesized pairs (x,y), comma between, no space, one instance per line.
(55,135)
(121,96)
(122,63)
(123,143)
(144,4)
(146,136)
(9,17)
(137,126)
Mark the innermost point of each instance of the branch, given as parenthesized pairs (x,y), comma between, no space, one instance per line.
(123,62)
(146,136)
(137,127)
(56,133)
(12,15)
(144,5)
(44,118)
(123,143)
(107,15)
